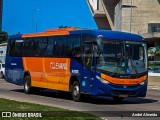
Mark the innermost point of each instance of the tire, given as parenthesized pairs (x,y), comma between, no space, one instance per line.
(27,84)
(118,99)
(1,75)
(76,91)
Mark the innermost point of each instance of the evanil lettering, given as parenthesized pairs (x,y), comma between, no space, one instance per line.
(56,65)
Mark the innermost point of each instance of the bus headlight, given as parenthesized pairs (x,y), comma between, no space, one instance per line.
(101,79)
(142,83)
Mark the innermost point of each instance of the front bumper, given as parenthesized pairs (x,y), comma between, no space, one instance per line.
(119,90)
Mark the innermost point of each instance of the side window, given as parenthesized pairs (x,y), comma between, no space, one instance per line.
(56,48)
(9,47)
(49,49)
(18,48)
(74,49)
(88,38)
(33,47)
(12,47)
(88,56)
(26,47)
(42,46)
(141,53)
(38,45)
(60,46)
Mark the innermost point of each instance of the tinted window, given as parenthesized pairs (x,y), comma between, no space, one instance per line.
(54,46)
(16,48)
(42,46)
(74,50)
(11,47)
(34,51)
(27,47)
(60,46)
(49,48)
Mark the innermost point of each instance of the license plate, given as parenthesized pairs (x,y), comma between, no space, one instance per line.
(123,95)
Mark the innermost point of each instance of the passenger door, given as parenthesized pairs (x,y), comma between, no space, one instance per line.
(88,67)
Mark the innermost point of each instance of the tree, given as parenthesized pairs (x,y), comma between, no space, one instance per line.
(157,53)
(3,36)
(151,52)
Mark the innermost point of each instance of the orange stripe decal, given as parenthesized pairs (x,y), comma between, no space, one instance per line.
(52,73)
(123,81)
(53,32)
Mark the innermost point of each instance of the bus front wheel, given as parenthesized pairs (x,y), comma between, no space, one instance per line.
(76,91)
(27,84)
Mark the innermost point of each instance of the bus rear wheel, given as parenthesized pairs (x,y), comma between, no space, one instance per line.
(27,84)
(76,91)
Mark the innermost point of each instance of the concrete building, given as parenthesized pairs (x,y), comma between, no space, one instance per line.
(136,16)
(140,17)
(103,12)
(3,48)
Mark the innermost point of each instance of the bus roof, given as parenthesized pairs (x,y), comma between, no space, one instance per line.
(51,32)
(66,31)
(15,36)
(110,34)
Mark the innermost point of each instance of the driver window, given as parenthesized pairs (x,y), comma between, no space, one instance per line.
(88,56)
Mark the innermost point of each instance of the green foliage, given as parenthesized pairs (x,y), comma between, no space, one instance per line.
(3,36)
(47,111)
(157,53)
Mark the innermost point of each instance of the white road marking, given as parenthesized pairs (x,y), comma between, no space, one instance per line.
(154,87)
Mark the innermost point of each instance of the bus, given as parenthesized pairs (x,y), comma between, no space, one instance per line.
(80,61)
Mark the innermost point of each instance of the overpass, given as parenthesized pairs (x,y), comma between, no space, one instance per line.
(103,12)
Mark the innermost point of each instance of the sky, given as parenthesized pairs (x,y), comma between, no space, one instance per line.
(28,16)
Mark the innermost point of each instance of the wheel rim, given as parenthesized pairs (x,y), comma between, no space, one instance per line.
(26,86)
(76,90)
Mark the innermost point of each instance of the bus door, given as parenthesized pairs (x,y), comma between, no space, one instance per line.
(88,67)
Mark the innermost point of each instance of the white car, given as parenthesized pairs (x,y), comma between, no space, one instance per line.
(2,70)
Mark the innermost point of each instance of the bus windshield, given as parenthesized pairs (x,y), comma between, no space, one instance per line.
(121,57)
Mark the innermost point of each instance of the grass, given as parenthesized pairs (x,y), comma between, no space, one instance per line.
(47,112)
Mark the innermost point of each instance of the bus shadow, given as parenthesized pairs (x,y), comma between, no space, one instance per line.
(140,101)
(91,99)
(48,93)
(110,101)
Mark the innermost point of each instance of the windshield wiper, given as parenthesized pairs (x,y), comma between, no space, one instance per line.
(120,66)
(131,60)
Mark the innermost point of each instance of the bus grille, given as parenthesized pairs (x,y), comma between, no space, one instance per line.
(122,86)
(117,93)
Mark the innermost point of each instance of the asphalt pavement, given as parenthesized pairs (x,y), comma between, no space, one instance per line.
(103,107)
